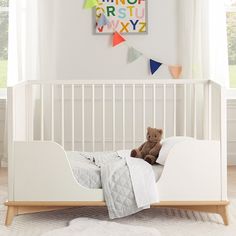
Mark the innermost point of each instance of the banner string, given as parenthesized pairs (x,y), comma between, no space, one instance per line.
(175,70)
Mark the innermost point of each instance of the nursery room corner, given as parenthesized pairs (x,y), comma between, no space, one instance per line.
(117,117)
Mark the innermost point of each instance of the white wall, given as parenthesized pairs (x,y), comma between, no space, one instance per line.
(231,132)
(79,53)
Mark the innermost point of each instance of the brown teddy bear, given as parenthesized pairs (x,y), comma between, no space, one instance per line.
(149,150)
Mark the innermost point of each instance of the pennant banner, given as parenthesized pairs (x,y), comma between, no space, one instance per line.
(117,39)
(154,66)
(102,21)
(175,71)
(90,4)
(133,54)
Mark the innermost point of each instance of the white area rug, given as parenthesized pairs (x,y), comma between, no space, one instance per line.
(168,222)
(93,227)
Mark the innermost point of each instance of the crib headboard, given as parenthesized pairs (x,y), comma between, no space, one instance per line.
(99,115)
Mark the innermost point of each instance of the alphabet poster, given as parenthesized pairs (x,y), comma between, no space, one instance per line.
(123,16)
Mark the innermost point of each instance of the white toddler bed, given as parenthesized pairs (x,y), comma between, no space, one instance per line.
(50,120)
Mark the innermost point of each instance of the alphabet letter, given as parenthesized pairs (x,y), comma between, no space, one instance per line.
(122,13)
(130,10)
(124,27)
(132,1)
(134,24)
(143,27)
(122,1)
(142,15)
(99,11)
(110,10)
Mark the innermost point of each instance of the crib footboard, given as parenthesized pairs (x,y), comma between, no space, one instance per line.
(43,180)
(192,172)
(42,173)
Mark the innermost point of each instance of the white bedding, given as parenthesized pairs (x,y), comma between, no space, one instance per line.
(84,170)
(88,174)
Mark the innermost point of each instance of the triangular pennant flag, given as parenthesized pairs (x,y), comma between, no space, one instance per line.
(90,4)
(175,71)
(154,66)
(102,21)
(133,54)
(117,39)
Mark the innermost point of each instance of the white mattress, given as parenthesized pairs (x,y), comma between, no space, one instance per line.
(88,174)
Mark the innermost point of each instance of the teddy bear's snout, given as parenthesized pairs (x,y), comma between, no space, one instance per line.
(151,138)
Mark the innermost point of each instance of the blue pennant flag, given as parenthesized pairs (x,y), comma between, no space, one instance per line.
(102,21)
(154,66)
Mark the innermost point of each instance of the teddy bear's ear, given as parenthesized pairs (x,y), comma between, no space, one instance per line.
(148,128)
(160,131)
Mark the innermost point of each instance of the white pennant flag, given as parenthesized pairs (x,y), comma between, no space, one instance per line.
(133,54)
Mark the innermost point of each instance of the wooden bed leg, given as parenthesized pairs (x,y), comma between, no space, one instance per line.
(11,212)
(223,212)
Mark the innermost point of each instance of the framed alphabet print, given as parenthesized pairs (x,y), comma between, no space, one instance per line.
(123,16)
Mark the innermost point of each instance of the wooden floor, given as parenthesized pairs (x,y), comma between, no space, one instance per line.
(231,182)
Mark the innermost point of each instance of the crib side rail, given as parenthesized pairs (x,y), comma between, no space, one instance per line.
(107,115)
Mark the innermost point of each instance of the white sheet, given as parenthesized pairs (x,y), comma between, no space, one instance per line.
(85,171)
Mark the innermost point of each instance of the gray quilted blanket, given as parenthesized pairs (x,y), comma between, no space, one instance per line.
(128,183)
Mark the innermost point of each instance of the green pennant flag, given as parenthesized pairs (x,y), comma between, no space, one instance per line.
(90,4)
(133,54)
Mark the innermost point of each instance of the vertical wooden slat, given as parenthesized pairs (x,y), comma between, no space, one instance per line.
(206,110)
(144,112)
(62,116)
(52,112)
(114,117)
(73,117)
(103,117)
(42,111)
(194,112)
(185,110)
(93,131)
(123,114)
(154,105)
(29,115)
(133,101)
(164,110)
(210,111)
(174,112)
(82,113)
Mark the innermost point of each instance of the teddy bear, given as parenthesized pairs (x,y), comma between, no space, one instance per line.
(149,150)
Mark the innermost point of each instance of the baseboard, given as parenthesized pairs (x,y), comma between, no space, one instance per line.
(231,159)
(3,164)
